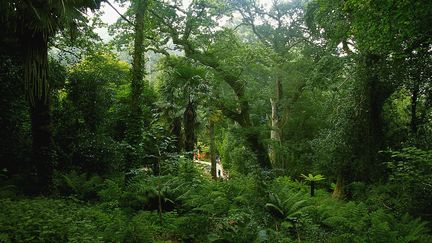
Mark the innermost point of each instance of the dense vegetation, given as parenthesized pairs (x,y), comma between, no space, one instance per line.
(320,111)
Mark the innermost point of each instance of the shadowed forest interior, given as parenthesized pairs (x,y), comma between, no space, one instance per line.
(216,121)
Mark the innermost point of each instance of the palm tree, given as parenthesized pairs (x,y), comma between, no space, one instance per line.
(34,22)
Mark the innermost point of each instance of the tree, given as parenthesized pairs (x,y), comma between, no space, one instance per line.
(378,38)
(192,29)
(89,110)
(92,86)
(135,125)
(281,29)
(35,23)
(183,86)
(312,179)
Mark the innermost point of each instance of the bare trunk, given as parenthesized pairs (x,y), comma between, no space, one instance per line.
(36,79)
(312,188)
(339,190)
(212,151)
(259,150)
(189,127)
(414,98)
(176,127)
(372,135)
(275,132)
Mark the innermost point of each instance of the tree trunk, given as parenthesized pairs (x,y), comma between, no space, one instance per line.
(176,127)
(339,190)
(189,127)
(366,134)
(252,135)
(135,119)
(36,79)
(312,188)
(414,98)
(212,151)
(258,149)
(376,94)
(43,145)
(275,132)
(135,116)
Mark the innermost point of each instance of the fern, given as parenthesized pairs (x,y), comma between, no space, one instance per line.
(411,229)
(292,208)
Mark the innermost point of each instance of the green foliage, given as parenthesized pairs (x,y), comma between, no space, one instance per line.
(289,208)
(356,222)
(144,227)
(82,186)
(314,178)
(50,220)
(15,119)
(92,86)
(345,79)
(88,108)
(411,178)
(237,158)
(202,210)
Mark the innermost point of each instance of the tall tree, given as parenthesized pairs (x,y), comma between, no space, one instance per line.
(193,28)
(183,87)
(280,28)
(136,26)
(35,23)
(379,37)
(136,115)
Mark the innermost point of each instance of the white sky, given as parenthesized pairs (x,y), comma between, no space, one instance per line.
(109,17)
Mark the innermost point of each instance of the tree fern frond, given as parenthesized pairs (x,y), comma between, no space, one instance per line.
(299,206)
(275,210)
(35,11)
(413,228)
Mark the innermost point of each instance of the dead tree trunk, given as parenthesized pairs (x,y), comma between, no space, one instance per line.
(276,130)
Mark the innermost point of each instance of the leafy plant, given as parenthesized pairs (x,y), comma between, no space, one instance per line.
(411,176)
(80,185)
(312,179)
(289,209)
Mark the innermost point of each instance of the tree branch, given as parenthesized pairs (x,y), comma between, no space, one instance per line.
(121,15)
(235,116)
(67,51)
(157,50)
(293,100)
(173,31)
